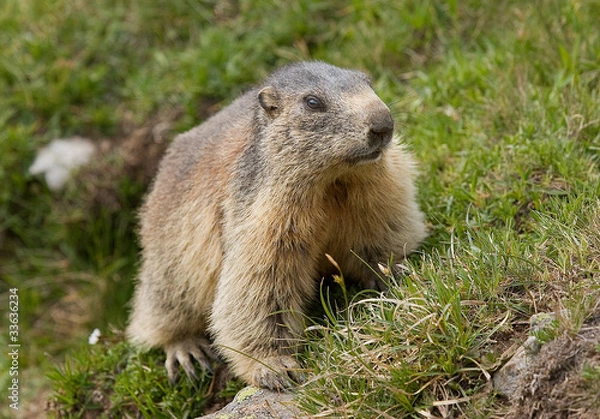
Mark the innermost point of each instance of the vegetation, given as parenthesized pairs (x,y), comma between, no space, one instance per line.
(115,380)
(498,100)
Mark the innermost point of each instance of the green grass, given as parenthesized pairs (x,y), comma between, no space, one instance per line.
(115,380)
(499,102)
(430,341)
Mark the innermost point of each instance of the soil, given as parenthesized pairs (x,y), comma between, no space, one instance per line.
(556,385)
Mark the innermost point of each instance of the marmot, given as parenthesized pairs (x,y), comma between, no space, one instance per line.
(245,207)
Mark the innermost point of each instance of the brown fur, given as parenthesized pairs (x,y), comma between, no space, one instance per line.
(245,207)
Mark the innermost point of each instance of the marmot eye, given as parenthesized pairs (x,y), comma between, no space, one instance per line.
(314,103)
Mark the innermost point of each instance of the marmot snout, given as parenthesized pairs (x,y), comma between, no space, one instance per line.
(381,129)
(246,206)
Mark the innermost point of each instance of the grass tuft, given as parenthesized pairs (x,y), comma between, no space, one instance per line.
(112,379)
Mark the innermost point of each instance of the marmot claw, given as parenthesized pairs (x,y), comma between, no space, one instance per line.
(183,353)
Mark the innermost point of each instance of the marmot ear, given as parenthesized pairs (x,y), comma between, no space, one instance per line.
(269,100)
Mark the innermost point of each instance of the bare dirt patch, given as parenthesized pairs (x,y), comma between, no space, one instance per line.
(558,384)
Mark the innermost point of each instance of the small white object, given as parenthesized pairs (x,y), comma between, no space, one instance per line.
(94,337)
(57,160)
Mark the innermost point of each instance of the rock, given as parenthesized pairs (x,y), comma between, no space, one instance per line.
(255,403)
(507,380)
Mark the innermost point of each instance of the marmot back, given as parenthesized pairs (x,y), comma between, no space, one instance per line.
(245,208)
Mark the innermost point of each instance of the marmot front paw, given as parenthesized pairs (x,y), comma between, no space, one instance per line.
(183,353)
(277,373)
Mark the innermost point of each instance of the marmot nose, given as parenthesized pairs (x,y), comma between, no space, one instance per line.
(381,130)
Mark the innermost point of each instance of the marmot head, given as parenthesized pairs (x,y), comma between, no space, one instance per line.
(323,117)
